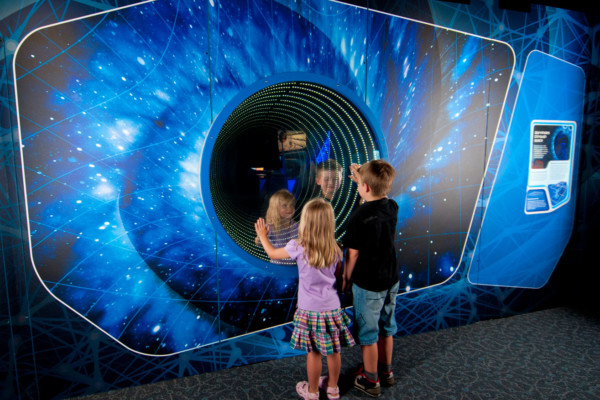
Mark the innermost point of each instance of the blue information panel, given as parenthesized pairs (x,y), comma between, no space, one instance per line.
(530,211)
(551,168)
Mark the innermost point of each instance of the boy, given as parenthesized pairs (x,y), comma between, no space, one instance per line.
(371,264)
(328,179)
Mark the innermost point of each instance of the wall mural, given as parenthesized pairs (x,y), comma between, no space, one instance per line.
(151,136)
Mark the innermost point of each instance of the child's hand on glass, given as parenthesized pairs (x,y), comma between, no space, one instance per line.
(354,172)
(261,228)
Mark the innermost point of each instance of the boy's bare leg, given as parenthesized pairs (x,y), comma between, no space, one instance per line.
(385,347)
(370,353)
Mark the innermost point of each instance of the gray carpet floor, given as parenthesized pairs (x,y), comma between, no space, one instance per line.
(549,354)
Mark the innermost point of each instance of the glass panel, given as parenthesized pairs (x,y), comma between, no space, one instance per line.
(298,136)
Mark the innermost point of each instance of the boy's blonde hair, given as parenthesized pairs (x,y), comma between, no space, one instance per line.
(378,175)
(279,197)
(316,234)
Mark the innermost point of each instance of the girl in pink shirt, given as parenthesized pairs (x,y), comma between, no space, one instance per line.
(320,325)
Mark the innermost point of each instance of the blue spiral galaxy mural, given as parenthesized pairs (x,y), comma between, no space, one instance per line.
(114,121)
(147,144)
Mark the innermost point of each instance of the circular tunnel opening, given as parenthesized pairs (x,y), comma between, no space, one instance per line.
(283,136)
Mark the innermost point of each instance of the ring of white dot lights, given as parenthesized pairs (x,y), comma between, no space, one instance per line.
(273,136)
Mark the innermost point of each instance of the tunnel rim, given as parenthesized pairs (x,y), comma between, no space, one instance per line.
(215,129)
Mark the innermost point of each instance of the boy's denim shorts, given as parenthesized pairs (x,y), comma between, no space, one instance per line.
(374,314)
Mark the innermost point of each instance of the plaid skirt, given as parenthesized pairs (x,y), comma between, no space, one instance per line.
(326,332)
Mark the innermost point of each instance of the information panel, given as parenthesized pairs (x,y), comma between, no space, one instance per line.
(551,167)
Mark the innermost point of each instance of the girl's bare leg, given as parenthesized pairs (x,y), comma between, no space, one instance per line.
(313,370)
(334,366)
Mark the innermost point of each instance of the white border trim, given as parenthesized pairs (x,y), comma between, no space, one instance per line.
(458,265)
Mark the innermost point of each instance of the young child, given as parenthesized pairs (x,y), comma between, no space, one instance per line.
(328,179)
(371,265)
(320,325)
(282,228)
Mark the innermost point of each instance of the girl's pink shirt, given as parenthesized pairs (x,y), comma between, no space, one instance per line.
(316,287)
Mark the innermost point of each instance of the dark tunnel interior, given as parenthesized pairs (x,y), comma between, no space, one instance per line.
(274,140)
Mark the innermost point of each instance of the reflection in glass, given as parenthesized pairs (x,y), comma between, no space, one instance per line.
(328,179)
(279,218)
(298,136)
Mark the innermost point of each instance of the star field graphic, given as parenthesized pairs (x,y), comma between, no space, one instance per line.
(114,110)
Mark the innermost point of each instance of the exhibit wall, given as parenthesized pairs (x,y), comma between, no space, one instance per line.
(142,140)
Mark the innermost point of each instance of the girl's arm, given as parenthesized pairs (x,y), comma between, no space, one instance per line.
(262,229)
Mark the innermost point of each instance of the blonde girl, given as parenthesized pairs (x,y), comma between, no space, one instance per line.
(282,228)
(320,325)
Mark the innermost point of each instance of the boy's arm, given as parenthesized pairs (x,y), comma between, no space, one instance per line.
(350,263)
(338,270)
(262,230)
(354,172)
(338,276)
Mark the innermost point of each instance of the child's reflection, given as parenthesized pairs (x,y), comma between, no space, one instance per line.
(279,218)
(328,179)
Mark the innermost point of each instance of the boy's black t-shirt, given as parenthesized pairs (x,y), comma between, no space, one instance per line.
(371,230)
